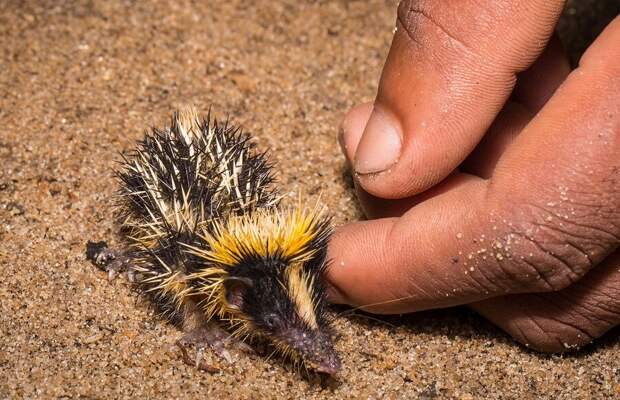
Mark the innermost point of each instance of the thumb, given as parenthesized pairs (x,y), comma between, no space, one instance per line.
(447,75)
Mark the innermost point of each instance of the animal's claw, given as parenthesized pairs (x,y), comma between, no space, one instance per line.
(210,335)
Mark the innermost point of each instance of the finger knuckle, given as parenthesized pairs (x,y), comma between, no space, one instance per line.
(550,336)
(547,247)
(520,261)
(419,17)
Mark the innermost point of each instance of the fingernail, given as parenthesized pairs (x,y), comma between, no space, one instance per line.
(380,146)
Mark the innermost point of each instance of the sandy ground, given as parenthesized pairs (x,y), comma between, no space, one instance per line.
(81,80)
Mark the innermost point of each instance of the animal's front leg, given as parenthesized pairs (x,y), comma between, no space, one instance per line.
(197,340)
(200,335)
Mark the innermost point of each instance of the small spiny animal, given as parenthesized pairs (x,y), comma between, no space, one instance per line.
(209,244)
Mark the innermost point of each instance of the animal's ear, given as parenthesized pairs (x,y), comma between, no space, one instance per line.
(235,288)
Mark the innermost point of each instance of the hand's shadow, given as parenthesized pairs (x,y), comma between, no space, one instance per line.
(462,323)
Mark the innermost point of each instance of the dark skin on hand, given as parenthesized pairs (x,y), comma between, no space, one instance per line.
(490,174)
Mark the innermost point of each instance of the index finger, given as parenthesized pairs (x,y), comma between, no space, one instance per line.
(451,68)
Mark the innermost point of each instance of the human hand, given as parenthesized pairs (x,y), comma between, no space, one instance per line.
(490,173)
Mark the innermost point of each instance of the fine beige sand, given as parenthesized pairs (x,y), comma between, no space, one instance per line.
(79,83)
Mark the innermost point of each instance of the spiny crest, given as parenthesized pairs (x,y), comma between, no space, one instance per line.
(176,179)
(293,236)
(189,173)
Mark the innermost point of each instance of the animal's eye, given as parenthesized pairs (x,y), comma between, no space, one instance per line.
(271,320)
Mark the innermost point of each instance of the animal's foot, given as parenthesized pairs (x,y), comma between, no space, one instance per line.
(111,261)
(209,335)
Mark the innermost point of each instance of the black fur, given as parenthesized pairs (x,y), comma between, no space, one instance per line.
(266,302)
